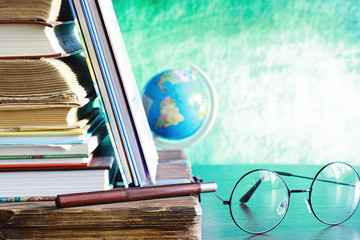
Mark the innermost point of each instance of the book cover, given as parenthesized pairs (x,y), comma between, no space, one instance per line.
(115,103)
(143,133)
(116,132)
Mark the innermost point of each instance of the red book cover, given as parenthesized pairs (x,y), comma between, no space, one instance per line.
(97,163)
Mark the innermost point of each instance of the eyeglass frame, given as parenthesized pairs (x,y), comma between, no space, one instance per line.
(289,192)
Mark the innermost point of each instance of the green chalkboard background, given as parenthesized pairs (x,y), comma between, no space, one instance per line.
(287,72)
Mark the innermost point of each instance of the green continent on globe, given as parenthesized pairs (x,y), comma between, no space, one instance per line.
(169,114)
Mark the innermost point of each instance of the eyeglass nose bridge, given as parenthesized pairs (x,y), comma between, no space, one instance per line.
(307,201)
(300,191)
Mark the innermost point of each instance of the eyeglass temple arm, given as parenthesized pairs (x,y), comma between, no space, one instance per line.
(251,191)
(246,197)
(310,178)
(225,202)
(200,180)
(293,175)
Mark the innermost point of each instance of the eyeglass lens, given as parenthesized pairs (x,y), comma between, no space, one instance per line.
(267,205)
(335,193)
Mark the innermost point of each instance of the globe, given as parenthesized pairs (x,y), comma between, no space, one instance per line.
(180,107)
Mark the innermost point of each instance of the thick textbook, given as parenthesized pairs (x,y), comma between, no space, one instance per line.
(47,116)
(34,39)
(51,181)
(64,79)
(44,10)
(45,93)
(53,136)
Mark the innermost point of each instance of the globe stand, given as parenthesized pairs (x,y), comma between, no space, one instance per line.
(168,144)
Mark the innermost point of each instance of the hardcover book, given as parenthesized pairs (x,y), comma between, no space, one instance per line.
(34,39)
(51,181)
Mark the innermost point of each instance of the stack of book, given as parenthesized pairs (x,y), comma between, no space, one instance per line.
(50,131)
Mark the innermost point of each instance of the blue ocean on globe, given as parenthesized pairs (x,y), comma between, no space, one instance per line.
(176,104)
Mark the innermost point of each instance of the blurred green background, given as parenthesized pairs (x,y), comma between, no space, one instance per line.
(286,72)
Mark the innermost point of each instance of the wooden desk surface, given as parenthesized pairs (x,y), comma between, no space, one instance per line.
(298,223)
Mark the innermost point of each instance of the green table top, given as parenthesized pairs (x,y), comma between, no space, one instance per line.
(298,223)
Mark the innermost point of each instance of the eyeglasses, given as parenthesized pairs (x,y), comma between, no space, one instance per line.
(260,199)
